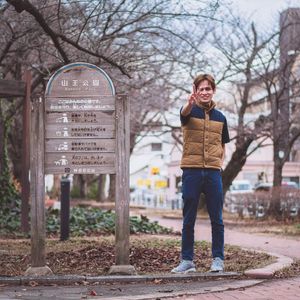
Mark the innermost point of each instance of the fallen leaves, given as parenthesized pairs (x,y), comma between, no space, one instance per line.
(93,293)
(33,283)
(157,281)
(293,270)
(149,255)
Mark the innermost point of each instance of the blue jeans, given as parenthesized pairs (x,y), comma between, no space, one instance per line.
(194,182)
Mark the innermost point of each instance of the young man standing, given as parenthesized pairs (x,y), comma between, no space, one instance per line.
(205,134)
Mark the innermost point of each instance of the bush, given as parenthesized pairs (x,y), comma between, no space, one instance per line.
(10,205)
(258,204)
(87,221)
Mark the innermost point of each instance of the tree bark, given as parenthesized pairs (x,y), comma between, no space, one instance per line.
(2,143)
(112,188)
(275,204)
(101,188)
(236,163)
(56,186)
(80,182)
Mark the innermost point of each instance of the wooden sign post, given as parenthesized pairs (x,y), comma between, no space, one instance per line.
(37,190)
(86,131)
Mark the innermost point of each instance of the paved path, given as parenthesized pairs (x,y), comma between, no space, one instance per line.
(287,289)
(117,291)
(284,246)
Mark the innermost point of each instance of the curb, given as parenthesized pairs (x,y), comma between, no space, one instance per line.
(198,292)
(72,279)
(268,271)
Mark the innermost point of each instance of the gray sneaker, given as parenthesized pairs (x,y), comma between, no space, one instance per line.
(217,265)
(185,266)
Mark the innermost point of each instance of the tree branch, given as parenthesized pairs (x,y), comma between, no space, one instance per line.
(21,5)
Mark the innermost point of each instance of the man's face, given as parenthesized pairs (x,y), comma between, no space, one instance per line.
(205,91)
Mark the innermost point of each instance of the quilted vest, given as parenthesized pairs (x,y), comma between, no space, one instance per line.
(202,143)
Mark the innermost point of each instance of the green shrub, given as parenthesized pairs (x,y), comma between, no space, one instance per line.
(85,221)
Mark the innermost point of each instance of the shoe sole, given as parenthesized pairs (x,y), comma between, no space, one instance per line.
(193,270)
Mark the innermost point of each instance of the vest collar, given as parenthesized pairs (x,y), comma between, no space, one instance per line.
(208,107)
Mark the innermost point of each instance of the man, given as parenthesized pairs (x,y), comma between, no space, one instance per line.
(205,134)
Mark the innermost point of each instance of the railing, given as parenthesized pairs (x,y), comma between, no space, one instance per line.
(157,200)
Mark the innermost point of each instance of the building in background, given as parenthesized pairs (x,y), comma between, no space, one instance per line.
(259,166)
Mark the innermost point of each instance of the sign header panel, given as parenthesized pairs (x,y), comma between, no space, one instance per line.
(80,79)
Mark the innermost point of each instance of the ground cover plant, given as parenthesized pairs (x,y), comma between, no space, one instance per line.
(83,221)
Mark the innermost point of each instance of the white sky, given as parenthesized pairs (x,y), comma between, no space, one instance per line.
(264,12)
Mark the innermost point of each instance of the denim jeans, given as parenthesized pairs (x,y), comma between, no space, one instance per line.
(194,182)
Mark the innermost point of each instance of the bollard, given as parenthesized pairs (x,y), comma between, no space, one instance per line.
(64,209)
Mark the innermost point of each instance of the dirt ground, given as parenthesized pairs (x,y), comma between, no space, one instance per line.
(95,255)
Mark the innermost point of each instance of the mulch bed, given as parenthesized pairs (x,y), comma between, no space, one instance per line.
(293,270)
(149,255)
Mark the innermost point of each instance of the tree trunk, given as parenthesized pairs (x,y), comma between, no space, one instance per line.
(236,163)
(101,188)
(274,209)
(79,181)
(2,143)
(55,192)
(112,188)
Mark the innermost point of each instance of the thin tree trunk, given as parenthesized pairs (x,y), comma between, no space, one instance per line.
(56,186)
(1,142)
(101,188)
(80,182)
(274,209)
(112,188)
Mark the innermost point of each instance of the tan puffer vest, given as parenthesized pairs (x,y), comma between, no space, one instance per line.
(202,143)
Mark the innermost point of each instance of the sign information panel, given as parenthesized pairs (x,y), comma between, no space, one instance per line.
(80,132)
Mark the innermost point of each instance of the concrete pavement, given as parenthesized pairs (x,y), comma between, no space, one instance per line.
(118,291)
(288,289)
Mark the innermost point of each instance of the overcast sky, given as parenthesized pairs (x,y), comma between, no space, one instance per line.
(264,12)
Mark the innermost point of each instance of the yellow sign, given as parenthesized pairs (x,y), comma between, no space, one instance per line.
(144,182)
(160,184)
(155,170)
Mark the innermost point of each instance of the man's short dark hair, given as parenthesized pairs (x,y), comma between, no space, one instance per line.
(207,77)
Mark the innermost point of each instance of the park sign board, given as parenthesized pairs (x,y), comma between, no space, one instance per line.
(80,129)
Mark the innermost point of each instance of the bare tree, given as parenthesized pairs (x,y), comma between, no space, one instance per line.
(139,43)
(254,67)
(252,61)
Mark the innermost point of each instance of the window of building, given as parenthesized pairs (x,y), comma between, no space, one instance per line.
(156,146)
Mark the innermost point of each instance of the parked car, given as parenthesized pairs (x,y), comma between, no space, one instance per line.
(266,186)
(241,186)
(237,197)
(289,198)
(263,187)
